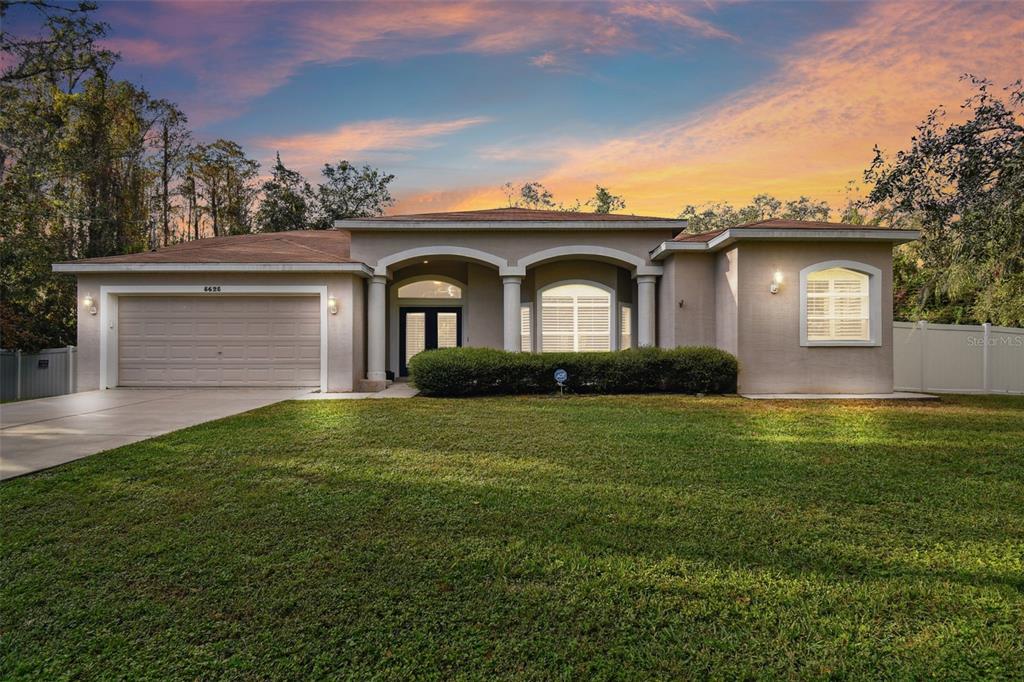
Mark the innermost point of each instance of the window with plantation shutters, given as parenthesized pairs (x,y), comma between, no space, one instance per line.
(625,327)
(525,337)
(838,305)
(575,317)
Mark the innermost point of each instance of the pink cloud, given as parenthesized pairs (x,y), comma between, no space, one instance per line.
(144,50)
(351,139)
(671,13)
(545,60)
(223,45)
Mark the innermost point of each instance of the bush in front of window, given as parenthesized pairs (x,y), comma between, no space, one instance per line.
(456,372)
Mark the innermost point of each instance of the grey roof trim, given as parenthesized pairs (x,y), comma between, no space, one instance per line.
(786,234)
(508,225)
(359,269)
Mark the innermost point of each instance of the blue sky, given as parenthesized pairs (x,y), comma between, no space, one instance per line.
(665,103)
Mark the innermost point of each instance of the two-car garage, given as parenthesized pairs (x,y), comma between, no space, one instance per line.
(218,341)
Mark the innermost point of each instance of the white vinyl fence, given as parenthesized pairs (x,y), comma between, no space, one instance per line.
(958,358)
(37,375)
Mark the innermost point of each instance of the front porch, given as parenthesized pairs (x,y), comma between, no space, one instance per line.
(511,279)
(572,300)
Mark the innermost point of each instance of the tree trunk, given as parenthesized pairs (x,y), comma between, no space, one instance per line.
(165,184)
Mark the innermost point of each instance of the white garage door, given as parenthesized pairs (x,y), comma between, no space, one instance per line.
(218,341)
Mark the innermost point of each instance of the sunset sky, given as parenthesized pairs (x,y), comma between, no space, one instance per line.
(665,103)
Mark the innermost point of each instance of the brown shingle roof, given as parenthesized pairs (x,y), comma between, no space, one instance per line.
(777,224)
(513,214)
(298,246)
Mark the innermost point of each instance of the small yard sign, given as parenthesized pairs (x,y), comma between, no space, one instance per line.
(561,376)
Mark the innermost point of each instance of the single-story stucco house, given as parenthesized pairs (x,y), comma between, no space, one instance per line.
(805,306)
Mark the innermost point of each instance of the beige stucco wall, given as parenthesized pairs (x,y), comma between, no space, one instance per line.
(590,271)
(345,356)
(686,301)
(370,246)
(768,326)
(358,322)
(483,307)
(727,300)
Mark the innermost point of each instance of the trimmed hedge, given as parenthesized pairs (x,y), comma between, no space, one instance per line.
(485,371)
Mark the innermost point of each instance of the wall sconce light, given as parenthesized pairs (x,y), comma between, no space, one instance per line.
(332,305)
(89,304)
(776,282)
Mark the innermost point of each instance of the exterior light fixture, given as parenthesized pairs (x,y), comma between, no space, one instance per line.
(776,282)
(332,305)
(89,304)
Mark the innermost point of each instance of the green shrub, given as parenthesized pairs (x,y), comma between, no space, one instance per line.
(485,371)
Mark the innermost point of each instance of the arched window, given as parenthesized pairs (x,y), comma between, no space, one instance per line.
(576,317)
(840,304)
(430,288)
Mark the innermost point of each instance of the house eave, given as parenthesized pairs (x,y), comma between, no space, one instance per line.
(507,225)
(358,269)
(730,237)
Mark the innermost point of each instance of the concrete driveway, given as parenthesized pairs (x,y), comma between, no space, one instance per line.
(38,434)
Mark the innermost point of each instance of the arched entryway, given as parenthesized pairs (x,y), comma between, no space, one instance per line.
(426,311)
(429,297)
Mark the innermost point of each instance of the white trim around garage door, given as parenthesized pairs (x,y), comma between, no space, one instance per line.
(108,314)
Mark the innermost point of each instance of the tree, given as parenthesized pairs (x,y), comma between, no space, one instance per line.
(72,167)
(720,215)
(285,202)
(225,179)
(531,195)
(173,146)
(106,172)
(962,185)
(604,201)
(350,192)
(535,195)
(67,51)
(805,208)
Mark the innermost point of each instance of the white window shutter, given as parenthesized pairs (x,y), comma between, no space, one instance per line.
(838,306)
(575,317)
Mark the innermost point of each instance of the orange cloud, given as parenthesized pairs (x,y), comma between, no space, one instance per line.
(809,129)
(355,138)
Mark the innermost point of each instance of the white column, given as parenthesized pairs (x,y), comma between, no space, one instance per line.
(512,285)
(645,309)
(376,338)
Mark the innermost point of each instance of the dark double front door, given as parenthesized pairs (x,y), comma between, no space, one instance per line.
(421,329)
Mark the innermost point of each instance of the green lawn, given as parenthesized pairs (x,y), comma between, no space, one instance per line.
(537,538)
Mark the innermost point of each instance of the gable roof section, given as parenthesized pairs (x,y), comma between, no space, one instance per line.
(299,250)
(510,219)
(786,230)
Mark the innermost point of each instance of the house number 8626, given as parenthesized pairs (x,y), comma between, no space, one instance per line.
(210,289)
